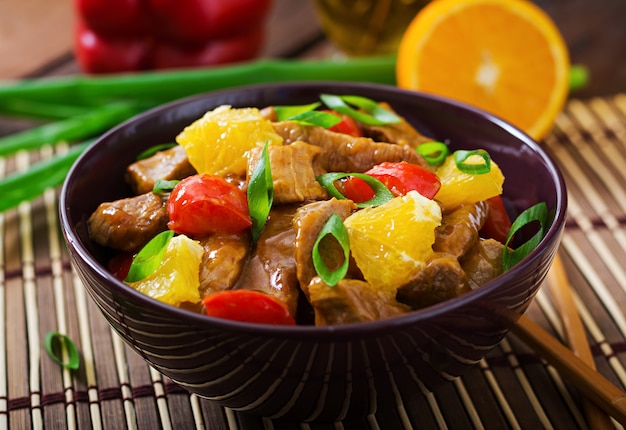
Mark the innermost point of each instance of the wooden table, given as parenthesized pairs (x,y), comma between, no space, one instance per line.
(114,389)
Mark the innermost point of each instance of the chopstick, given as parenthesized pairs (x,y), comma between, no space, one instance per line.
(559,285)
(591,383)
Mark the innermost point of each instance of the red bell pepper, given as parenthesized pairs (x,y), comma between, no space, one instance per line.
(247,306)
(347,125)
(403,177)
(498,224)
(131,35)
(205,204)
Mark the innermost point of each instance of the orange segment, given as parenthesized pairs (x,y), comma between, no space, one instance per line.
(504,56)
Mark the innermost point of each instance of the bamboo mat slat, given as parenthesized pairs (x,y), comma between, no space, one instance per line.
(511,388)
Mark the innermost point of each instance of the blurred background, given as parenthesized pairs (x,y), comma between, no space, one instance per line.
(37,35)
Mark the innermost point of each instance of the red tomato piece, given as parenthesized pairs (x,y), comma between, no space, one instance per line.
(357,190)
(206,204)
(498,223)
(347,125)
(247,306)
(403,177)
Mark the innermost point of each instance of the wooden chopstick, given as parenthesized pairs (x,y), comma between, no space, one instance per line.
(591,383)
(561,291)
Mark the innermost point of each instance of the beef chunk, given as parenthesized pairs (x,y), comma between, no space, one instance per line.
(222,261)
(351,301)
(271,267)
(128,224)
(483,262)
(169,164)
(401,133)
(308,223)
(344,153)
(441,278)
(459,229)
(294,169)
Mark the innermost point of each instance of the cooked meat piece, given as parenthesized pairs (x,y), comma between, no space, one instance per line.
(351,301)
(308,223)
(459,229)
(441,278)
(128,224)
(401,133)
(344,153)
(222,261)
(271,267)
(169,164)
(269,113)
(483,262)
(294,169)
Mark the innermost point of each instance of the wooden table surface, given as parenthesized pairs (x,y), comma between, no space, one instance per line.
(511,388)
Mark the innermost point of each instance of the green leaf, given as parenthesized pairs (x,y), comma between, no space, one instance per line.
(381,192)
(260,194)
(376,114)
(536,213)
(148,260)
(164,186)
(335,227)
(62,350)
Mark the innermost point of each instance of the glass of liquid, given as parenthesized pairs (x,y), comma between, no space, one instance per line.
(366,27)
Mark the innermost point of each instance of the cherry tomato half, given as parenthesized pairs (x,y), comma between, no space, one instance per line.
(247,306)
(498,224)
(205,204)
(403,177)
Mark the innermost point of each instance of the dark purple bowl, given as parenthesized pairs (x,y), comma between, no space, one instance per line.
(314,373)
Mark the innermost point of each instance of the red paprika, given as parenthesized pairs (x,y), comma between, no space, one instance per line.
(131,35)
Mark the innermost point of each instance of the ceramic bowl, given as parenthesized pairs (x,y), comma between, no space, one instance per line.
(309,373)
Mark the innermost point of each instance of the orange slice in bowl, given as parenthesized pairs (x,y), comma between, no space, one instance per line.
(504,56)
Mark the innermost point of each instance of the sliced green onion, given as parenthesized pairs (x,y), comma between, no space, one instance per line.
(538,212)
(164,186)
(62,350)
(434,153)
(465,161)
(376,114)
(260,194)
(148,260)
(285,113)
(381,192)
(335,227)
(578,77)
(153,150)
(318,118)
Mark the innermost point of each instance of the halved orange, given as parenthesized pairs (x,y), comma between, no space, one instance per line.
(504,56)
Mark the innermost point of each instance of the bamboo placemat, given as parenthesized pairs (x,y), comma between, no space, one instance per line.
(511,388)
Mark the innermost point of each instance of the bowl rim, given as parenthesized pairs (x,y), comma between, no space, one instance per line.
(305,331)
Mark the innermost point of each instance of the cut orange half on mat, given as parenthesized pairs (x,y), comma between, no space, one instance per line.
(504,56)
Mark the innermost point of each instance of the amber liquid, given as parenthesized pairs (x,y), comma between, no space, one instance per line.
(366,27)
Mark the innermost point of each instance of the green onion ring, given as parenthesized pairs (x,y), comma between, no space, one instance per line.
(335,227)
(377,115)
(538,212)
(461,157)
(381,192)
(56,344)
(434,153)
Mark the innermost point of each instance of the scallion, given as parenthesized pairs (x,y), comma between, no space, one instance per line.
(537,213)
(284,113)
(434,153)
(153,150)
(260,194)
(149,258)
(164,186)
(374,113)
(466,161)
(334,226)
(58,346)
(381,192)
